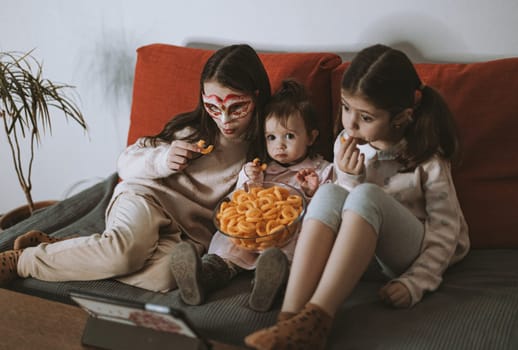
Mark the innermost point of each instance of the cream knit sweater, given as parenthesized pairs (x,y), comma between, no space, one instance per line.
(188,196)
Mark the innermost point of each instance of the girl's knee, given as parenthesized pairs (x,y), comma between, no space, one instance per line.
(329,195)
(123,263)
(367,192)
(367,201)
(328,190)
(326,205)
(120,265)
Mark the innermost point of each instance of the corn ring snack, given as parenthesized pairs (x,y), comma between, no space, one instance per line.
(253,191)
(205,149)
(257,162)
(247,228)
(244,198)
(260,228)
(285,221)
(273,225)
(294,200)
(279,195)
(266,200)
(271,213)
(243,207)
(266,192)
(254,215)
(289,212)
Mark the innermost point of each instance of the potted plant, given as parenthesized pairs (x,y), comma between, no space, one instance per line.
(26,102)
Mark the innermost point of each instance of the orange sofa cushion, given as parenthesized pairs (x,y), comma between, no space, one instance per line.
(167,83)
(483,97)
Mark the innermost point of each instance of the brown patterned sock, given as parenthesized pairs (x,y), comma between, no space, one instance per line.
(285,315)
(33,238)
(306,330)
(8,262)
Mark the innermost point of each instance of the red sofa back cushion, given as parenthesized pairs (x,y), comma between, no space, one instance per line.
(167,83)
(484,99)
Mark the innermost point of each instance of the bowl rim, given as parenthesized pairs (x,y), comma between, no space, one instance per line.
(246,186)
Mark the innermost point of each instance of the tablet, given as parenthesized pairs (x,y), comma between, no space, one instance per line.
(157,318)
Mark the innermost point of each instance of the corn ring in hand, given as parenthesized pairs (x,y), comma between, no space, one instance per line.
(257,162)
(204,149)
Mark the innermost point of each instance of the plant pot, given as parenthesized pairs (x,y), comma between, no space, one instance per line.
(16,215)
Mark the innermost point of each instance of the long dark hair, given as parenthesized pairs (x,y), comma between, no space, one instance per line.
(388,79)
(290,99)
(237,67)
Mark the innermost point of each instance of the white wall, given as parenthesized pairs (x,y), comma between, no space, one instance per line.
(91,45)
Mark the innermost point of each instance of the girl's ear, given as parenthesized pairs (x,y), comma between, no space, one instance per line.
(313,136)
(403,118)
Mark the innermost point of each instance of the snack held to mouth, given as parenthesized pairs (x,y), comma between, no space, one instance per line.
(205,149)
(260,217)
(257,162)
(342,139)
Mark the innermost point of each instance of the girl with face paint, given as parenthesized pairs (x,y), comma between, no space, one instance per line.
(290,131)
(168,189)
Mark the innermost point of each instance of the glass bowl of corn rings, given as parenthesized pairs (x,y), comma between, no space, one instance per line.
(261,215)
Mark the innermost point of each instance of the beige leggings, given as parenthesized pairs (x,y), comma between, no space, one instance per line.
(135,248)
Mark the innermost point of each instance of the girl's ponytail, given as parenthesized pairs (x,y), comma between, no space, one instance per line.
(432,129)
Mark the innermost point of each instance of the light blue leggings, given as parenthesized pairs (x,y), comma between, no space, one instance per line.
(400,233)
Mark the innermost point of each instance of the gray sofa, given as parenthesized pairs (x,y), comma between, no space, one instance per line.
(476,307)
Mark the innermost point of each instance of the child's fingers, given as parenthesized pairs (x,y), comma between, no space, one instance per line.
(395,294)
(300,177)
(359,164)
(349,148)
(250,169)
(306,171)
(351,158)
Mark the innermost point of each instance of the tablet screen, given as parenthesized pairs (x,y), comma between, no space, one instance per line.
(157,317)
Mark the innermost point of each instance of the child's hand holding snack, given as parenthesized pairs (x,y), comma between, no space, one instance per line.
(254,170)
(348,158)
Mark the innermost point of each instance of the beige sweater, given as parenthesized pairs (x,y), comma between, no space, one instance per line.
(188,196)
(429,193)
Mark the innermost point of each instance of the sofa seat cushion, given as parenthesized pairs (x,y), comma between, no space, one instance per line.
(475,308)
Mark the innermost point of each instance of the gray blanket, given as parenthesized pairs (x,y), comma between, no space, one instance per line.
(476,307)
